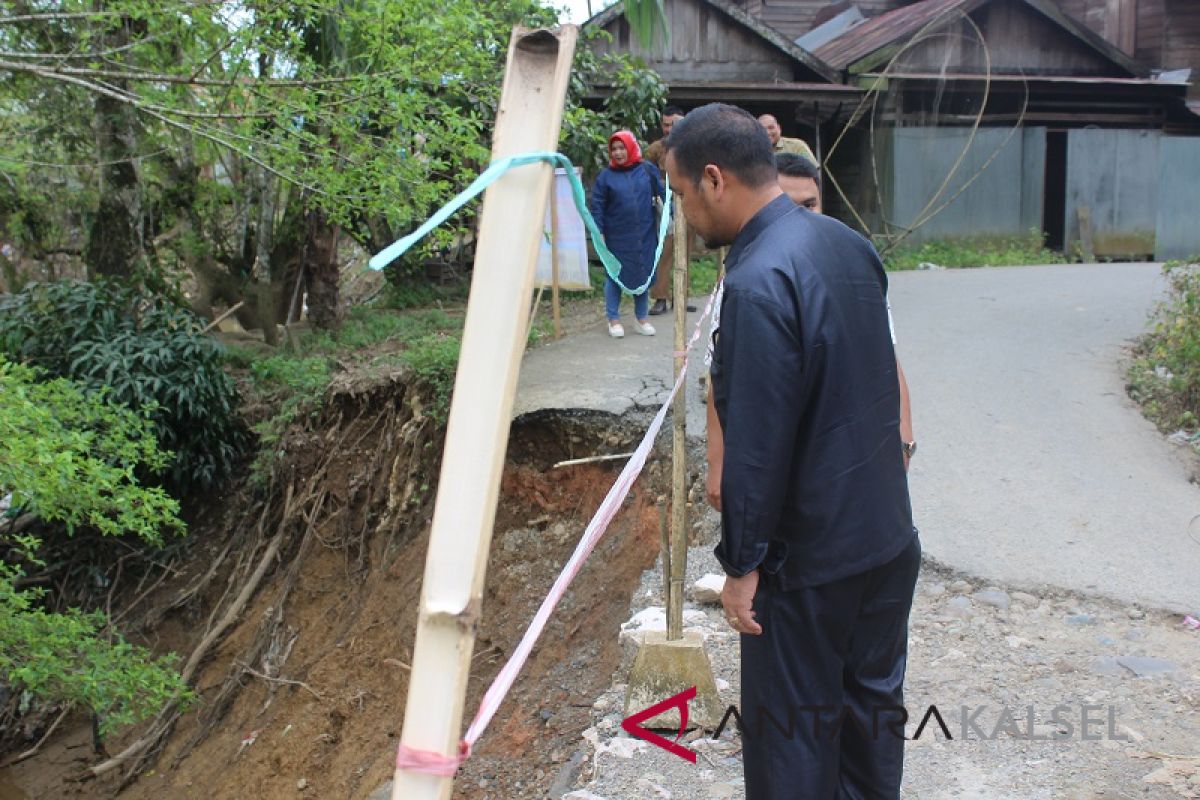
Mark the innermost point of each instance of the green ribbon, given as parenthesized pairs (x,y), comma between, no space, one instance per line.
(489,176)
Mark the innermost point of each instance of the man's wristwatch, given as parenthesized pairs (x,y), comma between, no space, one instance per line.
(909,448)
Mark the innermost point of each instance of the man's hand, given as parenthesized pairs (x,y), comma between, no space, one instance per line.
(737,598)
(712,484)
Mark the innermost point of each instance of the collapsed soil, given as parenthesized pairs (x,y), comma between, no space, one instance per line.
(305,695)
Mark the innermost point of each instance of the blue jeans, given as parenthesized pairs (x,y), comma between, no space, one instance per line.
(612,301)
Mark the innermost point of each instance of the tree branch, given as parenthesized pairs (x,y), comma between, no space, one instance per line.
(160,77)
(151,111)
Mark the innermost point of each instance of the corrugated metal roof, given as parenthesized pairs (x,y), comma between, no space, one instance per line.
(878,32)
(901,23)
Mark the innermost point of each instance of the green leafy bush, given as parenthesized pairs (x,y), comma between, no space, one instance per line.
(70,456)
(975,251)
(72,657)
(147,353)
(434,362)
(702,275)
(1165,375)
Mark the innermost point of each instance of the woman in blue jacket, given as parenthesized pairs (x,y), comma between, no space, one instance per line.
(623,207)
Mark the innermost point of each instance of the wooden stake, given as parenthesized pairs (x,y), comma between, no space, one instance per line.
(537,301)
(554,258)
(679,440)
(510,234)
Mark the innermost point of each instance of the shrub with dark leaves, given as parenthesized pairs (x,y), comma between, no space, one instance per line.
(149,353)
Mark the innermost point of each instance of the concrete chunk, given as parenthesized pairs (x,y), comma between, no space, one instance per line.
(708,589)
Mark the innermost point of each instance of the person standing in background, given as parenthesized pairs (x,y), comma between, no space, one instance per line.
(785,144)
(660,292)
(623,206)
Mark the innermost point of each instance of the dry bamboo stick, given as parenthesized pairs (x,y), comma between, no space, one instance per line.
(554,302)
(574,462)
(679,440)
(510,233)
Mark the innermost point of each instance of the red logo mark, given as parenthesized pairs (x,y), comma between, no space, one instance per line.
(633,724)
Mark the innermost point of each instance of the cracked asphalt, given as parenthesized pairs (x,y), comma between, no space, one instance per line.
(594,372)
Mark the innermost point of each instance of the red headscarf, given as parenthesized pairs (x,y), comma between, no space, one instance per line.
(631,147)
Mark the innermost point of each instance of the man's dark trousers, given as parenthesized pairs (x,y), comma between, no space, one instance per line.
(835,652)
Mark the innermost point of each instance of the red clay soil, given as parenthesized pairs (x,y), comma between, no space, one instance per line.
(327,723)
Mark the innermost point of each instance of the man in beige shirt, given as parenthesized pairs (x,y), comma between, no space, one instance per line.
(660,292)
(784,144)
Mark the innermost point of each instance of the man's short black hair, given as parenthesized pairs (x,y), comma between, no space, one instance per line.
(726,136)
(672,111)
(797,166)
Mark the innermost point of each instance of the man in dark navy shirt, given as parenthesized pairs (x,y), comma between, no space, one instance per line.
(817,538)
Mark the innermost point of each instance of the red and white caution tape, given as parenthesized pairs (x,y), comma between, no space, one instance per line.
(437,764)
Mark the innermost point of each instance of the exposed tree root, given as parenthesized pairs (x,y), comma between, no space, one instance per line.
(393,465)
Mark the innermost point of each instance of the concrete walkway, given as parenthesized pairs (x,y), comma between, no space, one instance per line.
(1034,468)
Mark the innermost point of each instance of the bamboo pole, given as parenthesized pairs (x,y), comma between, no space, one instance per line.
(510,234)
(679,441)
(537,301)
(554,258)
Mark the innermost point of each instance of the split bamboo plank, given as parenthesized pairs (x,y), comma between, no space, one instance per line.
(510,233)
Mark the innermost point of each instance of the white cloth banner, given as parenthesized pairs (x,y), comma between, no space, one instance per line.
(572,241)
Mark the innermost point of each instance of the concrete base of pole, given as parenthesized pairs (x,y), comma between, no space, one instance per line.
(665,668)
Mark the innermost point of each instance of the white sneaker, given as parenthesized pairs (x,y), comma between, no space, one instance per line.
(644,328)
(616,331)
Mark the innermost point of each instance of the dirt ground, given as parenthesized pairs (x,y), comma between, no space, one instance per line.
(972,644)
(304,696)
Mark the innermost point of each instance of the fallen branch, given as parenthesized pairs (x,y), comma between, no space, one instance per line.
(592,460)
(285,681)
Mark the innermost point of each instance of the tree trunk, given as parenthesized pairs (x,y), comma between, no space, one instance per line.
(260,296)
(324,271)
(115,243)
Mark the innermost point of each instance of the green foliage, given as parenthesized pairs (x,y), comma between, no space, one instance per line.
(975,251)
(71,456)
(1165,375)
(73,657)
(365,114)
(635,103)
(434,361)
(702,275)
(146,353)
(302,376)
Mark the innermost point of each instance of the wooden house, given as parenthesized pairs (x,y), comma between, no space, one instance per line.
(719,52)
(941,118)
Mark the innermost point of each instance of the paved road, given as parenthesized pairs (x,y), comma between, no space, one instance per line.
(1034,468)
